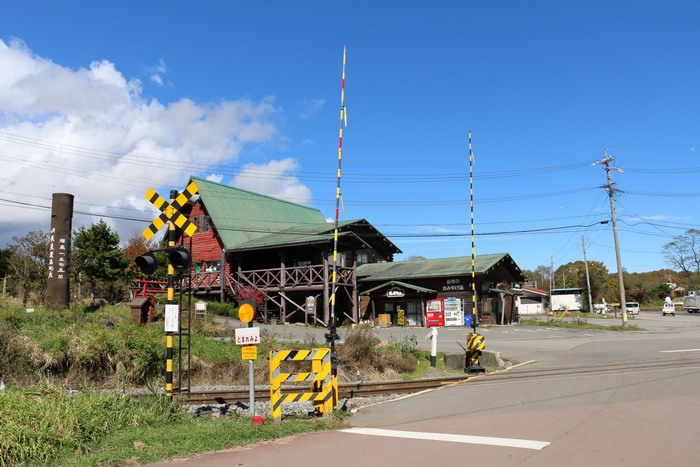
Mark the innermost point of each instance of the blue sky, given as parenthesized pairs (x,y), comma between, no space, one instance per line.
(105,100)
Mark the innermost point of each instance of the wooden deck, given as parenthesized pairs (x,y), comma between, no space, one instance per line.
(284,289)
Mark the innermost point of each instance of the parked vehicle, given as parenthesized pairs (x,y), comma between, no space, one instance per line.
(632,308)
(691,303)
(668,309)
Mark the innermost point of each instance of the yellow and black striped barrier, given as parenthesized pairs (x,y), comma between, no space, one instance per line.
(475,344)
(322,385)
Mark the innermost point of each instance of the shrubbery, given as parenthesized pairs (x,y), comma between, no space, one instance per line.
(41,421)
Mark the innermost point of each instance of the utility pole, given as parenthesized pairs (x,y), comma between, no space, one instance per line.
(610,188)
(588,278)
(551,281)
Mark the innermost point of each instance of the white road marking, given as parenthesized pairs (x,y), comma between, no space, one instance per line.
(683,350)
(505,442)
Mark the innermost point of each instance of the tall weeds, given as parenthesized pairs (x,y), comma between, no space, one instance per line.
(39,422)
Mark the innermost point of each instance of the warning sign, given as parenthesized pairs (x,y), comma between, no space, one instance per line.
(249,352)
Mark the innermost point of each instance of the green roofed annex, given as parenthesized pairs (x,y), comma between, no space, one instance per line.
(279,255)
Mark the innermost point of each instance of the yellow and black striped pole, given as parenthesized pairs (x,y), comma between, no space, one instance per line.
(170,301)
(471,214)
(332,335)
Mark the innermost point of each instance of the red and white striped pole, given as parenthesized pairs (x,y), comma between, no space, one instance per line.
(332,335)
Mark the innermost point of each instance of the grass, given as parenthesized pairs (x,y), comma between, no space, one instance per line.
(42,425)
(185,438)
(578,324)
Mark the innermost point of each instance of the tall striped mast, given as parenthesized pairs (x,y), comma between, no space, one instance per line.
(332,335)
(471,214)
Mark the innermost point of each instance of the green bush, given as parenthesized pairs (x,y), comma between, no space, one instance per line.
(221,309)
(41,421)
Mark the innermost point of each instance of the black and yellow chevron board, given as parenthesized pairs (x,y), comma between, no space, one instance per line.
(322,384)
(476,342)
(170,211)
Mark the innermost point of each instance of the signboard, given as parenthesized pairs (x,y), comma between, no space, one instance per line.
(311,304)
(171,318)
(247,336)
(249,352)
(246,312)
(395,292)
(453,285)
(400,317)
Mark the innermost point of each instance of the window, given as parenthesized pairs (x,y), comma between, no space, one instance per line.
(341,259)
(205,223)
(362,257)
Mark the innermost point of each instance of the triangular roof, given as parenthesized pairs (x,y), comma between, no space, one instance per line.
(241,216)
(441,267)
(248,221)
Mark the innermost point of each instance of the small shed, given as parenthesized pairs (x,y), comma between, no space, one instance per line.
(570,299)
(532,301)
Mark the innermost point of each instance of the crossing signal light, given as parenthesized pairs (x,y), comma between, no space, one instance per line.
(147,262)
(181,258)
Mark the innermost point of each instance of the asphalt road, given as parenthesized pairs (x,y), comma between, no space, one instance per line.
(586,398)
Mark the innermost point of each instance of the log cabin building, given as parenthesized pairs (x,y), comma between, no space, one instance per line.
(411,285)
(250,246)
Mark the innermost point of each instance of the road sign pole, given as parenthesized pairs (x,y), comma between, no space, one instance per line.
(251,381)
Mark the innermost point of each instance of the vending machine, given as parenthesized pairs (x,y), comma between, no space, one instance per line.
(435,313)
(454,311)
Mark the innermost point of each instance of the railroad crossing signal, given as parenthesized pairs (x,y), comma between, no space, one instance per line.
(170,211)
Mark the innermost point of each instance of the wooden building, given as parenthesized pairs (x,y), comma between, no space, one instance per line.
(250,246)
(408,285)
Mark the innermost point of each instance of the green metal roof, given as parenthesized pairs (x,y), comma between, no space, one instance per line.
(295,235)
(241,216)
(460,265)
(398,283)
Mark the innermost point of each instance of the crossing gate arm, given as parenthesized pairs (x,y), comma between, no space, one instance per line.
(321,393)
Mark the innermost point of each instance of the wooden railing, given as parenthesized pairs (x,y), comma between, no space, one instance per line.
(271,279)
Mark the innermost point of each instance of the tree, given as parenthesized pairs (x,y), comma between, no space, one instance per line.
(574,275)
(5,254)
(415,258)
(97,257)
(28,263)
(683,253)
(135,247)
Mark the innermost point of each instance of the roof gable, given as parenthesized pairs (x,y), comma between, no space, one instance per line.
(241,216)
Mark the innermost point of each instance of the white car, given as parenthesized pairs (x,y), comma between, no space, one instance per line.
(632,308)
(668,309)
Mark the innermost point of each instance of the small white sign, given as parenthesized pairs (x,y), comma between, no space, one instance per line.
(171,318)
(432,334)
(247,336)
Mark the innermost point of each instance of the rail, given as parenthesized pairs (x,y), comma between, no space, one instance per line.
(345,390)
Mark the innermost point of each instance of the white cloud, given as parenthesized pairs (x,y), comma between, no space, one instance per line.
(309,107)
(156,78)
(216,178)
(91,132)
(274,179)
(157,72)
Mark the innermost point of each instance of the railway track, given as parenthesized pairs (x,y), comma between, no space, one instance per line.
(361,389)
(345,390)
